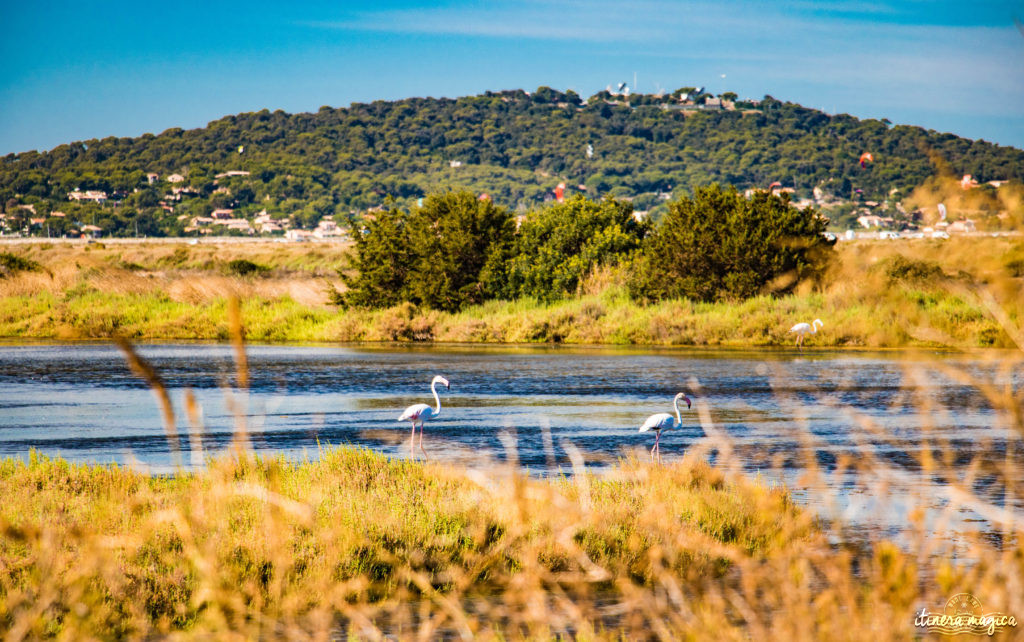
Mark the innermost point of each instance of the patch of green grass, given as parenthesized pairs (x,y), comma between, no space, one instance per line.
(13,263)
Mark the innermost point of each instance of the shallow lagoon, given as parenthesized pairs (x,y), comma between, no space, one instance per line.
(782,412)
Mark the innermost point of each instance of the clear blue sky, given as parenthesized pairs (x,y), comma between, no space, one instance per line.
(79,70)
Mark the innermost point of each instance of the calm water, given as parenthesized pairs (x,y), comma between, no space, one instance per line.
(81,402)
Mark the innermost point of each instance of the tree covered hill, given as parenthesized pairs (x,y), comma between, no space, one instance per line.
(513,145)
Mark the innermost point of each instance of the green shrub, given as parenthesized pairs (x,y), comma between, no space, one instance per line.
(446,254)
(901,269)
(557,246)
(243,267)
(11,264)
(719,245)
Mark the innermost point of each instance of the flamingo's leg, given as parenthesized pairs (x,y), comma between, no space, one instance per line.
(421,442)
(412,442)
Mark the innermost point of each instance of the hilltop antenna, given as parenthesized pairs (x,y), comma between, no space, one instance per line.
(634,81)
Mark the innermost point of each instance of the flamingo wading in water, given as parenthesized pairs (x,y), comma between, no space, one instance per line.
(663,420)
(421,412)
(805,328)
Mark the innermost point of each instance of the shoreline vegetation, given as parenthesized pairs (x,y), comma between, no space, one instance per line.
(356,541)
(877,294)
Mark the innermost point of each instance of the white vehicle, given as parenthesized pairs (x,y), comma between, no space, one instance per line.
(939,234)
(889,235)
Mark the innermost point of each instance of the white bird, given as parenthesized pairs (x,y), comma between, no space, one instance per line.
(420,413)
(663,420)
(804,328)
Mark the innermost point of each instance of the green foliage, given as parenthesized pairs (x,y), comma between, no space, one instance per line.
(12,264)
(245,267)
(514,146)
(443,255)
(719,245)
(557,246)
(459,242)
(381,262)
(900,268)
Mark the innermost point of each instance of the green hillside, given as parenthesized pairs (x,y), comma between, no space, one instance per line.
(513,145)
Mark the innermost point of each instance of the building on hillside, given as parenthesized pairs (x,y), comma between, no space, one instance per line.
(95,196)
(232,172)
(965,226)
(152,178)
(327,229)
(223,213)
(239,225)
(869,221)
(175,178)
(298,235)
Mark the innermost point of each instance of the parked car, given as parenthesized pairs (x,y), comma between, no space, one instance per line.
(939,234)
(889,235)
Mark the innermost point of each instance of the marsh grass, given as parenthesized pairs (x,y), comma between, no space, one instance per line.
(878,294)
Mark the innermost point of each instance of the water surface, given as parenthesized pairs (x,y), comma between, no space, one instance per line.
(781,410)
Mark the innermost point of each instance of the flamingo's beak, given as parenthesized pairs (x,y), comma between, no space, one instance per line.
(687,402)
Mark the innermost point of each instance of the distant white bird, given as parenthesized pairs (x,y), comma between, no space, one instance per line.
(421,412)
(663,420)
(804,328)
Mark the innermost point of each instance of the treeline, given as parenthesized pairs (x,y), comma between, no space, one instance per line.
(458,249)
(512,145)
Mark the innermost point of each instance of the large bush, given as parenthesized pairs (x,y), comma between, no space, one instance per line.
(459,244)
(448,253)
(558,245)
(719,245)
(381,262)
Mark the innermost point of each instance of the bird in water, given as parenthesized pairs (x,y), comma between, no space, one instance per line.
(802,329)
(421,412)
(664,420)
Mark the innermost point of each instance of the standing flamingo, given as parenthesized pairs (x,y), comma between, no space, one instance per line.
(804,328)
(663,420)
(421,412)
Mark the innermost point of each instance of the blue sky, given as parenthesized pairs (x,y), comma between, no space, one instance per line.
(80,70)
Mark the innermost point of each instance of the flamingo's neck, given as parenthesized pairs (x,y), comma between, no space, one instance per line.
(679,417)
(433,389)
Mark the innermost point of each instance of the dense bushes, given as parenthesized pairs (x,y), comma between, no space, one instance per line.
(718,244)
(557,246)
(443,255)
(457,250)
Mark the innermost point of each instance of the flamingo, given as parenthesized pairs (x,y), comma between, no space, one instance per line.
(804,328)
(421,412)
(663,420)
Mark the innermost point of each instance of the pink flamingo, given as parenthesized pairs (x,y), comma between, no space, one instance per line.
(421,412)
(663,420)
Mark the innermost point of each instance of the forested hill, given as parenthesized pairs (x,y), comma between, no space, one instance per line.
(515,146)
